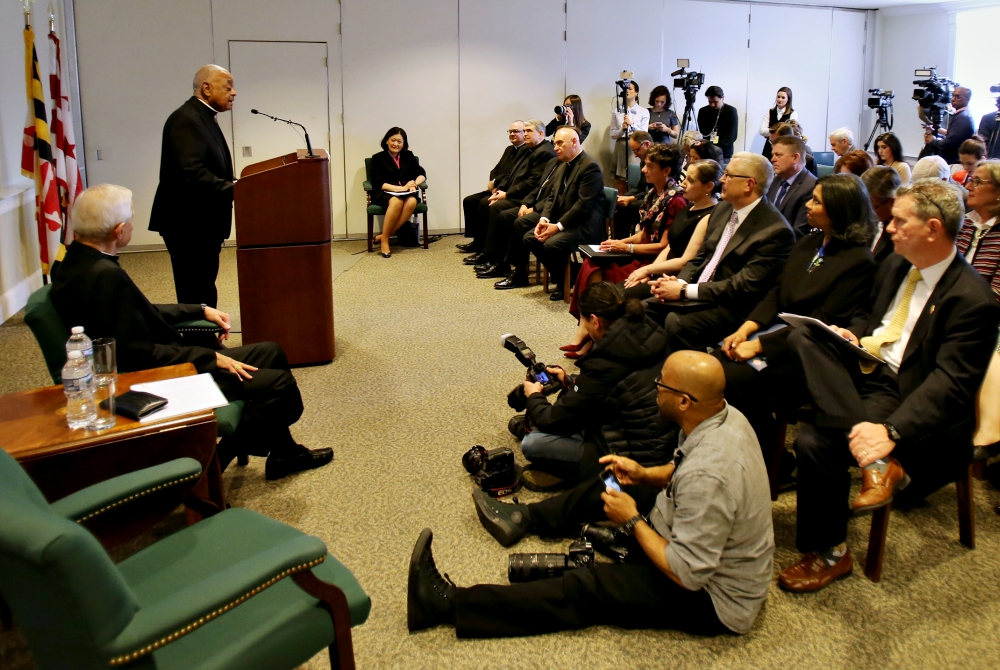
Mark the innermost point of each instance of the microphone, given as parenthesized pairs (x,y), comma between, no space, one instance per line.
(309,149)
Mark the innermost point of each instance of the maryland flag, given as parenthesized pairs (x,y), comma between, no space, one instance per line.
(68,180)
(36,158)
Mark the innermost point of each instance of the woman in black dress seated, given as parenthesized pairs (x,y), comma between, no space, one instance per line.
(686,233)
(828,274)
(395,170)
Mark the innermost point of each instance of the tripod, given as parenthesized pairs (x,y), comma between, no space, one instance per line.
(688,117)
(883,124)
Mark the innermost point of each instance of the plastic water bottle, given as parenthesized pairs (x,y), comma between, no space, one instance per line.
(78,341)
(78,379)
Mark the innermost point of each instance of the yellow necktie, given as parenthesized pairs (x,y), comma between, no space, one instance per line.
(891,334)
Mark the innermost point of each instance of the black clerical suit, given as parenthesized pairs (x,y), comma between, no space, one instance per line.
(750,265)
(93,291)
(470,203)
(830,291)
(193,206)
(493,237)
(792,204)
(520,225)
(724,121)
(577,203)
(930,401)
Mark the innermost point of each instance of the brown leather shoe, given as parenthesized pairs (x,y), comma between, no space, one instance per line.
(812,573)
(877,489)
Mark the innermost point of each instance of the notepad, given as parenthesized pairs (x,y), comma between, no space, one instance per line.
(184,395)
(397,194)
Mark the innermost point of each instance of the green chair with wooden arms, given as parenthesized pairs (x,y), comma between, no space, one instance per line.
(375,210)
(237,590)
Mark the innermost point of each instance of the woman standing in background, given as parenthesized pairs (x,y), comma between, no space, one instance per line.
(780,113)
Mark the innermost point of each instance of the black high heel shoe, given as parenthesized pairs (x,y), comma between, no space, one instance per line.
(386,254)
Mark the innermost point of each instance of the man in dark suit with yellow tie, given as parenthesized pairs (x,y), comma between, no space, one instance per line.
(193,207)
(906,421)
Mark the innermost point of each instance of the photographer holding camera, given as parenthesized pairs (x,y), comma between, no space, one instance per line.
(611,402)
(700,528)
(570,113)
(960,128)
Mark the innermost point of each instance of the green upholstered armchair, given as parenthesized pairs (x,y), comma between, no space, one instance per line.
(375,210)
(50,333)
(237,590)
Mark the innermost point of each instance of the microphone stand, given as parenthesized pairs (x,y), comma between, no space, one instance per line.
(309,148)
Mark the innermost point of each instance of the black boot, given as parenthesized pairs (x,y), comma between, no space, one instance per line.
(506,522)
(430,598)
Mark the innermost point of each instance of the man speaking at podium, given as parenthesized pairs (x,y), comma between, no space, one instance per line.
(193,207)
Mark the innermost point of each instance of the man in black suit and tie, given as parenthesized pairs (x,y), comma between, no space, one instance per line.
(472,204)
(505,205)
(793,185)
(933,321)
(571,216)
(523,220)
(882,182)
(193,206)
(93,291)
(744,252)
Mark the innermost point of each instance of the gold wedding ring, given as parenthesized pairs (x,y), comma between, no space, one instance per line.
(237,366)
(864,453)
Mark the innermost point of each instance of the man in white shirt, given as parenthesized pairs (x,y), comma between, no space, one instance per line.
(933,321)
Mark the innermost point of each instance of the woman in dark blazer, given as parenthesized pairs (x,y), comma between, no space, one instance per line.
(395,170)
(827,275)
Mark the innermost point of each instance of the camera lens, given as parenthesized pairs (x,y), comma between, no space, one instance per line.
(529,567)
(560,110)
(472,460)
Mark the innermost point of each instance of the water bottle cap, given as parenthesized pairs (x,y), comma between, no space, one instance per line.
(76,353)
(76,330)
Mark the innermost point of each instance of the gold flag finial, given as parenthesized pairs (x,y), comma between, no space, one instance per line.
(52,18)
(26,4)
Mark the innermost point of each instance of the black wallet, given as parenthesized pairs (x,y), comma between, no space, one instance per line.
(136,404)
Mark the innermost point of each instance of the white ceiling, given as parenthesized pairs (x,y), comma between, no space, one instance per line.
(891,6)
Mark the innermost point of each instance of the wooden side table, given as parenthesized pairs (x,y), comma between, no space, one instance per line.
(62,461)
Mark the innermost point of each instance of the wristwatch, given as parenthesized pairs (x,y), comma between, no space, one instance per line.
(629,527)
(203,308)
(893,433)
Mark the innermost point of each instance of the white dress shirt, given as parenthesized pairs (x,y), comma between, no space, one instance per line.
(765,123)
(879,229)
(892,353)
(691,290)
(638,115)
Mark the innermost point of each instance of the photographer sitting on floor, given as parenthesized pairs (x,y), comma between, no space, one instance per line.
(611,403)
(699,529)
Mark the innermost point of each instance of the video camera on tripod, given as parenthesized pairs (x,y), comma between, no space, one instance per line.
(934,95)
(881,102)
(690,83)
(536,372)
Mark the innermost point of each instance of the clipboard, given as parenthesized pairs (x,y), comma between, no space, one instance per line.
(593,251)
(797,320)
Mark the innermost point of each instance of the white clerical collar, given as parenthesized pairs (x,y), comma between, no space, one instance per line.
(210,108)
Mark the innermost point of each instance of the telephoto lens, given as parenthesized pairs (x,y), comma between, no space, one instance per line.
(529,567)
(560,110)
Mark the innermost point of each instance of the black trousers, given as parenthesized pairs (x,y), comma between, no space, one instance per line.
(626,219)
(501,222)
(470,206)
(843,397)
(554,252)
(517,251)
(195,264)
(631,595)
(701,329)
(273,403)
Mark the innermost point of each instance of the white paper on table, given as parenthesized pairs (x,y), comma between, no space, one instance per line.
(398,194)
(797,320)
(184,395)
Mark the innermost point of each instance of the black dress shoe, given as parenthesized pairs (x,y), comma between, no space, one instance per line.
(482,266)
(475,259)
(556,295)
(430,598)
(307,459)
(467,247)
(506,522)
(494,270)
(512,281)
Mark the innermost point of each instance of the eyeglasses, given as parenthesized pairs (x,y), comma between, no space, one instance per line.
(728,175)
(659,383)
(976,181)
(514,132)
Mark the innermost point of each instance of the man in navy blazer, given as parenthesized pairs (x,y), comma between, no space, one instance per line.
(907,421)
(793,184)
(960,128)
(193,206)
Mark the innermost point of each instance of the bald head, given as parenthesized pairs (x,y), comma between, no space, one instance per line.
(214,85)
(961,96)
(697,386)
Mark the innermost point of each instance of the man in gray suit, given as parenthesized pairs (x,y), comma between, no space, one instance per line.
(793,184)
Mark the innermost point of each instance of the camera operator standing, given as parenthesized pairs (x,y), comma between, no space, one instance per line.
(719,122)
(988,128)
(699,531)
(624,123)
(960,128)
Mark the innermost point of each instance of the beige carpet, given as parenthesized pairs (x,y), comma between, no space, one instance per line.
(420,377)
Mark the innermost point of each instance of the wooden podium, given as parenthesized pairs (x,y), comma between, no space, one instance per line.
(283,232)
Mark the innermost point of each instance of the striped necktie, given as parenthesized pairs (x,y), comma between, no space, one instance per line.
(891,334)
(727,234)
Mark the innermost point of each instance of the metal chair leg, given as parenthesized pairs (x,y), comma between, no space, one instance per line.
(966,511)
(371,231)
(425,231)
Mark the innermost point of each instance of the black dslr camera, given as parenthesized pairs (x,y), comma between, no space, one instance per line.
(934,95)
(493,470)
(536,372)
(689,82)
(529,567)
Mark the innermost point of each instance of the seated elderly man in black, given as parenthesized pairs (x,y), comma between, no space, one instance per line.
(906,421)
(91,290)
